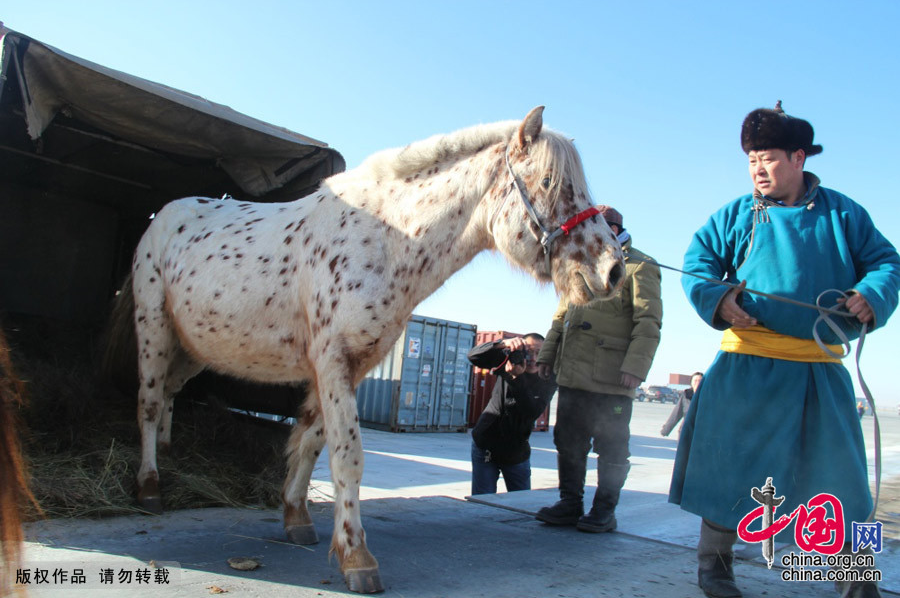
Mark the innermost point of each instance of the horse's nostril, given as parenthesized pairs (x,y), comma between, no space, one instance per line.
(615,275)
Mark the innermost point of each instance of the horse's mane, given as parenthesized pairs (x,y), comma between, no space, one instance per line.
(553,151)
(556,153)
(419,155)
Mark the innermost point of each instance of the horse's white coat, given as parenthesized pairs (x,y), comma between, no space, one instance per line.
(319,289)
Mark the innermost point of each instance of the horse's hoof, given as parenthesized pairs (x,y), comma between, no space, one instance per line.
(149,497)
(153,504)
(363,581)
(302,534)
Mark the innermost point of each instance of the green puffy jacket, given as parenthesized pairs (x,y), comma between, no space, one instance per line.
(591,345)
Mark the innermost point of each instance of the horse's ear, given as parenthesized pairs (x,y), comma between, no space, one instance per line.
(531,126)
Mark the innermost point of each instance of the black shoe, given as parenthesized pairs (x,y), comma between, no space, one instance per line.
(597,521)
(718,581)
(858,589)
(564,512)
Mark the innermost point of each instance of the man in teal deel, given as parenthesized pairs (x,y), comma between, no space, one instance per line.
(773,403)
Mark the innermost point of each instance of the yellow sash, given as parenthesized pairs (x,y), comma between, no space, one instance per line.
(763,342)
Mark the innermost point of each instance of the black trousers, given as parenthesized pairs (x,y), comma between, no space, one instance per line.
(584,418)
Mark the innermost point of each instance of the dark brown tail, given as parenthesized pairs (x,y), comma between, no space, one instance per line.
(119,362)
(14,492)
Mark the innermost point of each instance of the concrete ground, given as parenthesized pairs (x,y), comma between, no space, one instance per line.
(431,539)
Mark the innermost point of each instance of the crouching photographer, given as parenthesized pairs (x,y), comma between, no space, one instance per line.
(500,436)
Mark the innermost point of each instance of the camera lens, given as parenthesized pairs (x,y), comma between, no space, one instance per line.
(517,357)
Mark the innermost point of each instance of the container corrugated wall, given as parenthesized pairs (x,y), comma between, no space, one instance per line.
(423,384)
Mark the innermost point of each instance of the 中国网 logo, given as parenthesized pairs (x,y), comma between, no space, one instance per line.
(818,528)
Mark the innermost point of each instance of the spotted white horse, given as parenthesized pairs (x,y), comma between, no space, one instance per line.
(319,289)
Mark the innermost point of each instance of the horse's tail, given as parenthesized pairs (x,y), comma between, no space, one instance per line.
(119,360)
(14,492)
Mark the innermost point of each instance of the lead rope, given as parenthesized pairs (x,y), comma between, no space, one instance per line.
(823,317)
(825,314)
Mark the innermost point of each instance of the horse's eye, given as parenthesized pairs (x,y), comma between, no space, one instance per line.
(546,182)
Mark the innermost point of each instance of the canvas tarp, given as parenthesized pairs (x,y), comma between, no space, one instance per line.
(87,156)
(259,157)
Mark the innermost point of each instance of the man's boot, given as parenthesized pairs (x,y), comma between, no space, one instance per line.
(571,493)
(602,516)
(858,589)
(715,553)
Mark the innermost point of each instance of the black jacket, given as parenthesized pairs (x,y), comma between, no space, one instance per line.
(505,425)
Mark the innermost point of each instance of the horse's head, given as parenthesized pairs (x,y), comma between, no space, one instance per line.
(541,216)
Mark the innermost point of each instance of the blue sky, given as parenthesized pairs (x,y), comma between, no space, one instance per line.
(653,93)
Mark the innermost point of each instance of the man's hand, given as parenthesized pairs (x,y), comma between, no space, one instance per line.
(544,370)
(857,305)
(514,344)
(628,381)
(730,311)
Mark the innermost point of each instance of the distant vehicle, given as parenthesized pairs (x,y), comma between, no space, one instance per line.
(661,394)
(639,394)
(658,393)
(670,395)
(652,393)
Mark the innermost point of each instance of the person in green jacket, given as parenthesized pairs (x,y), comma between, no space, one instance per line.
(600,353)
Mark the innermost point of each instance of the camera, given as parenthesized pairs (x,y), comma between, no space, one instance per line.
(517,357)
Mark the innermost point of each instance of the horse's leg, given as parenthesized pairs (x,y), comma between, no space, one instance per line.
(181,369)
(303,448)
(345,455)
(156,345)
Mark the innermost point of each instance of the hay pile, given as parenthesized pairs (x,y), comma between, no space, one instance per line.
(81,439)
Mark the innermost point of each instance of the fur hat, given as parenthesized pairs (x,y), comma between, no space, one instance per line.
(611,215)
(773,129)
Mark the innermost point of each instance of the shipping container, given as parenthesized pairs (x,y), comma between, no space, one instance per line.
(483,383)
(680,379)
(490,336)
(423,384)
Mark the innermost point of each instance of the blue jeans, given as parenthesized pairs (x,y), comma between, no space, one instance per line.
(485,475)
